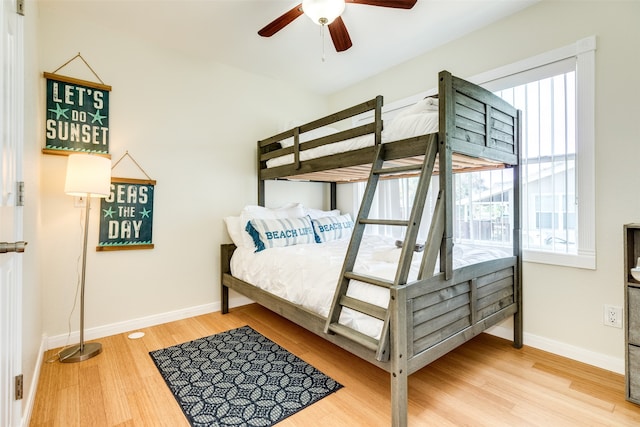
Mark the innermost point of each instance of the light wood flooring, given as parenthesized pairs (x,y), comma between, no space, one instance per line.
(485,382)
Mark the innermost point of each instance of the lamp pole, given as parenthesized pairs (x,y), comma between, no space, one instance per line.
(87,176)
(82,351)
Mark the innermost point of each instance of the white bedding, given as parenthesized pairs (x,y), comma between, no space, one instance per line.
(307,274)
(422,122)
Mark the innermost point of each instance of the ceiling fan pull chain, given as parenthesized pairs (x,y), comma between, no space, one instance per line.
(322,40)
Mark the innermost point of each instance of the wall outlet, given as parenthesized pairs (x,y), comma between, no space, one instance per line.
(613,316)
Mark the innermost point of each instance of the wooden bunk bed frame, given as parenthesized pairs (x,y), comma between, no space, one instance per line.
(436,313)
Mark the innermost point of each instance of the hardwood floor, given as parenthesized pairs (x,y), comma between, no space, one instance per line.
(485,382)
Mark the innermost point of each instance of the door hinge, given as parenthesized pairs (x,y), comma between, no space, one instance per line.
(19,387)
(20,7)
(20,200)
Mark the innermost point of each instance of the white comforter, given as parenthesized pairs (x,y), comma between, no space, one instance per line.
(307,275)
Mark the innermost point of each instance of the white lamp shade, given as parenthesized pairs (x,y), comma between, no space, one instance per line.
(88,175)
(323,12)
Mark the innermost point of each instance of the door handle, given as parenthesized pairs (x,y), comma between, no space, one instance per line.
(12,247)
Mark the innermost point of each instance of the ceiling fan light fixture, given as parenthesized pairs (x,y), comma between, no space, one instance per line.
(323,12)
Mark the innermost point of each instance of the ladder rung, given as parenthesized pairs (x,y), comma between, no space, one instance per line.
(398,169)
(399,222)
(352,334)
(368,279)
(364,307)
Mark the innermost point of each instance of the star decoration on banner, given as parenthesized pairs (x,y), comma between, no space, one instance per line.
(97,117)
(108,213)
(58,111)
(145,212)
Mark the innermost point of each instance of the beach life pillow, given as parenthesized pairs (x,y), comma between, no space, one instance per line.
(280,232)
(331,228)
(249,212)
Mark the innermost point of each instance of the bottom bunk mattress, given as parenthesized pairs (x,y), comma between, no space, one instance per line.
(307,274)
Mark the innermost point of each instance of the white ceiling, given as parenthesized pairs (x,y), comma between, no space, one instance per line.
(226,31)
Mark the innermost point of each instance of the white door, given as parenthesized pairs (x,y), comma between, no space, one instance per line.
(11,144)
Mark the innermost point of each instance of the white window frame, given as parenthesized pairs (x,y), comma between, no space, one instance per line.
(584,53)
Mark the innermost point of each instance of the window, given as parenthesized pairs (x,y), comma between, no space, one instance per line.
(547,97)
(555,91)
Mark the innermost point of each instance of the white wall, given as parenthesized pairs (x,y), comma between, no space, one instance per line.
(562,306)
(192,126)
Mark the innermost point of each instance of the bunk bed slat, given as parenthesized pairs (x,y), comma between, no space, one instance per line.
(364,307)
(442,314)
(436,297)
(340,136)
(369,105)
(396,222)
(368,279)
(398,169)
(355,336)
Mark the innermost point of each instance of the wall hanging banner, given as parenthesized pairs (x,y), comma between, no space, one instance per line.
(126,215)
(77,117)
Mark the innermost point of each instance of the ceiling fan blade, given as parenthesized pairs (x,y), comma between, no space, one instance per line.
(340,35)
(281,22)
(397,4)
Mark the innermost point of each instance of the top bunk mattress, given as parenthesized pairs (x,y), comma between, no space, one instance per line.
(418,119)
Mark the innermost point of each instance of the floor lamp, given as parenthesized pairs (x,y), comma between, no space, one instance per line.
(87,176)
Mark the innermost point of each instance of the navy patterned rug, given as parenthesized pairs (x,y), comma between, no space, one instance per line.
(239,378)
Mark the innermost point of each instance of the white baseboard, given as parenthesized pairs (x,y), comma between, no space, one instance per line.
(599,360)
(142,322)
(27,407)
(562,349)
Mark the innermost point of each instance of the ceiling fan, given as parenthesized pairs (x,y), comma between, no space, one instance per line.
(327,12)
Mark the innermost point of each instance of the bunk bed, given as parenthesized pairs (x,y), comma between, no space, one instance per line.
(441,306)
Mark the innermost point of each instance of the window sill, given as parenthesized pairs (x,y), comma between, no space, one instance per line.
(564,260)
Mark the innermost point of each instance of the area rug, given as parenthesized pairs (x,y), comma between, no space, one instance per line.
(239,378)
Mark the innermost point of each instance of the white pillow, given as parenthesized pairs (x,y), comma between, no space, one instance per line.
(274,233)
(319,213)
(235,230)
(424,106)
(411,125)
(308,136)
(249,212)
(332,228)
(290,210)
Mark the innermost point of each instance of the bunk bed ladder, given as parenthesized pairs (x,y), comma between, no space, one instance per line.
(341,300)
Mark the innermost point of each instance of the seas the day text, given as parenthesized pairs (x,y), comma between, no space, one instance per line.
(127,196)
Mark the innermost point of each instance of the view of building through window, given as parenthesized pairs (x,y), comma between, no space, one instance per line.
(548,173)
